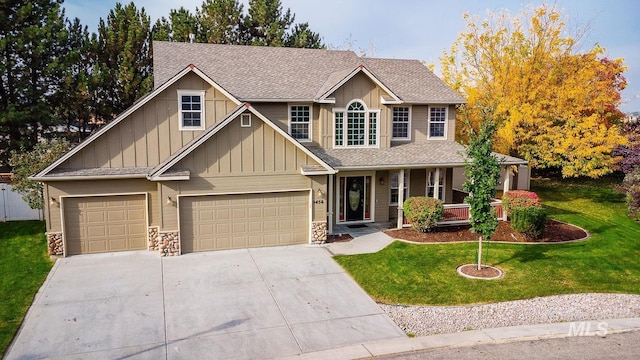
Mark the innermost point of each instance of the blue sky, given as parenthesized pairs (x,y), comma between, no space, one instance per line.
(413,29)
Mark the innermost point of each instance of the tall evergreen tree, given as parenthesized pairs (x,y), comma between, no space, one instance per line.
(77,103)
(32,45)
(302,37)
(219,22)
(266,23)
(177,27)
(123,51)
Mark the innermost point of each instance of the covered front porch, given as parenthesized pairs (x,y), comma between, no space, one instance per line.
(376,196)
(371,184)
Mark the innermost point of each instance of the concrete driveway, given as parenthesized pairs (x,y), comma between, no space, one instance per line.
(237,304)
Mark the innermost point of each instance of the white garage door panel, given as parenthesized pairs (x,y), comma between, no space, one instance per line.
(219,222)
(105,224)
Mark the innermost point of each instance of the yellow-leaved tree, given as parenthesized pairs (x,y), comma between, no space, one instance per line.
(556,106)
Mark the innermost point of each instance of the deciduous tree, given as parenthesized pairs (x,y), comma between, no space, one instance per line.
(482,171)
(556,106)
(26,163)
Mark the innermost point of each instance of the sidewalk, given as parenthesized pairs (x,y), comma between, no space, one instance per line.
(477,337)
(371,239)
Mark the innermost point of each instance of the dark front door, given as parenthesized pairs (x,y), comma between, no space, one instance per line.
(355,198)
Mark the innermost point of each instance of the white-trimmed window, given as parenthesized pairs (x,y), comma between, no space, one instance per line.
(191,105)
(356,126)
(394,187)
(245,120)
(437,122)
(300,122)
(400,123)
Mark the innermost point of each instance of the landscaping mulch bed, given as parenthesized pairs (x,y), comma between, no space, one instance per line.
(555,231)
(486,272)
(339,238)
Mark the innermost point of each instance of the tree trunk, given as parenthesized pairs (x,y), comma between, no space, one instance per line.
(479,252)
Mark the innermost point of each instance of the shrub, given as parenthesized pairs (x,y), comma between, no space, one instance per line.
(519,198)
(530,221)
(631,186)
(423,212)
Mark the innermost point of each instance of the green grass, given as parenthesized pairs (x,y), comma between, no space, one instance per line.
(608,262)
(24,264)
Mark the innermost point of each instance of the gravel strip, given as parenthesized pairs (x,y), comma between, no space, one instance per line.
(429,320)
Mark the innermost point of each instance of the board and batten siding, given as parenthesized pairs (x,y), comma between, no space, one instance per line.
(420,123)
(241,160)
(151,134)
(279,114)
(360,87)
(56,189)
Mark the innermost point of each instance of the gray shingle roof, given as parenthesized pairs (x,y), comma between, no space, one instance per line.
(417,155)
(117,171)
(253,73)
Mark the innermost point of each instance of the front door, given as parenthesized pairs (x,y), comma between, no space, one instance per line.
(355,198)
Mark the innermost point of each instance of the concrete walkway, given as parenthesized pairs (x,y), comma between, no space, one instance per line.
(366,240)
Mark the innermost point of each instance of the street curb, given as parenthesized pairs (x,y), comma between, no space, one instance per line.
(600,328)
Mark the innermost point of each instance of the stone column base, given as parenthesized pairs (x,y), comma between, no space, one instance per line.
(167,243)
(319,232)
(54,242)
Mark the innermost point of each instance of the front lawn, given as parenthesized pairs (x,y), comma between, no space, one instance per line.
(426,274)
(24,264)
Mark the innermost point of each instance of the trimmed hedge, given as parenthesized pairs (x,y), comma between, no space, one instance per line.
(423,212)
(530,221)
(515,199)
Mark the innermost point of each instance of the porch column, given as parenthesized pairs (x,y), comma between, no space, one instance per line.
(506,187)
(436,184)
(330,205)
(507,179)
(400,198)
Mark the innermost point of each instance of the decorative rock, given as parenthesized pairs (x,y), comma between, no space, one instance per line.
(319,232)
(54,242)
(166,243)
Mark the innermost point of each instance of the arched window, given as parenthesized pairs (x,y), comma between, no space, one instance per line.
(360,128)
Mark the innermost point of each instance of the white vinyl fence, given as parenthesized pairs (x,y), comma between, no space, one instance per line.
(13,208)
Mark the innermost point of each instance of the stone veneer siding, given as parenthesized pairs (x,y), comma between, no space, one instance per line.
(54,242)
(319,232)
(167,243)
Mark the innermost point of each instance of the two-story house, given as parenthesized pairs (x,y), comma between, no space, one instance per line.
(241,146)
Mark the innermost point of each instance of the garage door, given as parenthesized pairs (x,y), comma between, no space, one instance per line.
(105,223)
(241,221)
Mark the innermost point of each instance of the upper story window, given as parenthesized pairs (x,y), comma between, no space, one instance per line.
(300,122)
(400,123)
(437,122)
(191,114)
(356,126)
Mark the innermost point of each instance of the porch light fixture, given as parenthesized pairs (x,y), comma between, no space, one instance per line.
(381,180)
(169,200)
(320,193)
(53,201)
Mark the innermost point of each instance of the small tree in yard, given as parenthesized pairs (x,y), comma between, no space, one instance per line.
(26,164)
(482,171)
